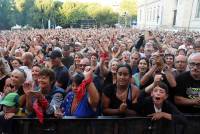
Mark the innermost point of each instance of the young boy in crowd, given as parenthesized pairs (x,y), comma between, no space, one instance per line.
(157,106)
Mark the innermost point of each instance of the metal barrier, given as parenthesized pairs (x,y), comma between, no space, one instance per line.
(105,125)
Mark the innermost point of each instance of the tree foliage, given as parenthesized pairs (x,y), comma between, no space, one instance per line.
(36,13)
(128,6)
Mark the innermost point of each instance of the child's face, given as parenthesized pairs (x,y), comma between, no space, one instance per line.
(74,87)
(159,95)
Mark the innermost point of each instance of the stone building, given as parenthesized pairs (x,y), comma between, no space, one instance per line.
(168,14)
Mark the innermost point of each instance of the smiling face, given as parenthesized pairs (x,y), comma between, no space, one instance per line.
(169,60)
(142,66)
(44,82)
(77,59)
(123,76)
(114,65)
(35,72)
(15,64)
(17,78)
(158,95)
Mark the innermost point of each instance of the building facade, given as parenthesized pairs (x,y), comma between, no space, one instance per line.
(168,14)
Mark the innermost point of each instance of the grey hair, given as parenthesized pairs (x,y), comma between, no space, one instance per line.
(4,67)
(28,54)
(21,71)
(193,55)
(111,61)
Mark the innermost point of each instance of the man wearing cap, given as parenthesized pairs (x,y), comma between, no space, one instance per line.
(9,103)
(62,75)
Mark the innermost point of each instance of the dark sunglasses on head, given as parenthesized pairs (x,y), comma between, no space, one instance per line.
(22,71)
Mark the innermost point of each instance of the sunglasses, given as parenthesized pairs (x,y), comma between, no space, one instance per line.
(22,71)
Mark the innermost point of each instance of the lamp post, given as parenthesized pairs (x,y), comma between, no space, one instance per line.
(125,19)
(158,21)
(42,12)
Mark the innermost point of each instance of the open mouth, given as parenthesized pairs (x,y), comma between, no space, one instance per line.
(157,98)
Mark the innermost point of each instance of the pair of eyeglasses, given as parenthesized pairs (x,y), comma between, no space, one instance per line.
(193,64)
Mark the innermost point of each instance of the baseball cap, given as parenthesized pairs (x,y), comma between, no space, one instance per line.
(55,54)
(10,100)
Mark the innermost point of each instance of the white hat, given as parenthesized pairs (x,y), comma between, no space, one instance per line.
(182,47)
(57,49)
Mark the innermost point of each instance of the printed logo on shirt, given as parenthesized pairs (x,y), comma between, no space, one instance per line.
(193,93)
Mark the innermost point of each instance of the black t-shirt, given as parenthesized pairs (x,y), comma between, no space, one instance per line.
(108,80)
(189,88)
(110,92)
(68,61)
(62,76)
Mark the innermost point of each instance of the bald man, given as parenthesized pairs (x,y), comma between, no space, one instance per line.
(180,65)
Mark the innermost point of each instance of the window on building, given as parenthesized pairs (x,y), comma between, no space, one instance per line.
(198,10)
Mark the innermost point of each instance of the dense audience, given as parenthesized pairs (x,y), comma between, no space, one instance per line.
(98,72)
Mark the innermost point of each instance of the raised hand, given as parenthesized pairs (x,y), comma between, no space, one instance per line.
(27,87)
(88,73)
(158,78)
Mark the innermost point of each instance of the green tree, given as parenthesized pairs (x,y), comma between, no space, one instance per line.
(128,6)
(19,4)
(6,13)
(36,13)
(102,15)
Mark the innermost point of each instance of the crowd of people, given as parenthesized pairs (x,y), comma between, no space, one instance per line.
(99,72)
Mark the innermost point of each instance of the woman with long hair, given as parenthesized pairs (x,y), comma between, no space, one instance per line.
(120,98)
